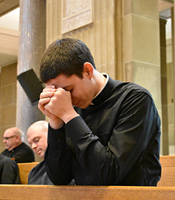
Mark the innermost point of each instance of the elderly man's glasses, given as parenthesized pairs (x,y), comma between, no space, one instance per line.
(7,138)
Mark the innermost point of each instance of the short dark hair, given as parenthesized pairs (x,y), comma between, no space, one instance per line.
(66,56)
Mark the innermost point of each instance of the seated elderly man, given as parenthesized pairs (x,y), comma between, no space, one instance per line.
(37,138)
(9,172)
(15,147)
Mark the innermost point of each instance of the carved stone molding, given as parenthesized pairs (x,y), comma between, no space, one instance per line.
(75,14)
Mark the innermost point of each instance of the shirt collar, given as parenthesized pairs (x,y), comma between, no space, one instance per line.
(107,79)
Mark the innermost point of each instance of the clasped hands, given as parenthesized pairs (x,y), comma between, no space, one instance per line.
(56,104)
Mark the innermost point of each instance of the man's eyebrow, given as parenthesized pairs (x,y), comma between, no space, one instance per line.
(57,86)
(65,87)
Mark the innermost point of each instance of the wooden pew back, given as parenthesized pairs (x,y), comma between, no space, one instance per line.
(168,171)
(167,177)
(24,169)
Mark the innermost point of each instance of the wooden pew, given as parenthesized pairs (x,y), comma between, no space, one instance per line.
(168,171)
(167,177)
(28,192)
(24,169)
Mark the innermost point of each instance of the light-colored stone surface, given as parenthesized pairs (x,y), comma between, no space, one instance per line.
(146,8)
(142,73)
(7,99)
(9,95)
(99,36)
(146,40)
(127,39)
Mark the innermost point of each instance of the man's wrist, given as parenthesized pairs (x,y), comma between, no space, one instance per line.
(56,124)
(69,116)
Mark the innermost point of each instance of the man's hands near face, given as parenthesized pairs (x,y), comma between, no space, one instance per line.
(45,97)
(57,105)
(60,105)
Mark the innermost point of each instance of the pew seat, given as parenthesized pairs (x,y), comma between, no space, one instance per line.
(24,169)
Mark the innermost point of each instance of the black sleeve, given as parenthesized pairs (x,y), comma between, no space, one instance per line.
(58,158)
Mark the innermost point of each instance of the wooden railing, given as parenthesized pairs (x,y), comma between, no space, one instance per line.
(43,192)
(168,171)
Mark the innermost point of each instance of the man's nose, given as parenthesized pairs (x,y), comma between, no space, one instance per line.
(4,141)
(34,145)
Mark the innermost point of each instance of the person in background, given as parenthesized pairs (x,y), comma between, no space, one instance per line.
(101,131)
(37,138)
(9,171)
(15,147)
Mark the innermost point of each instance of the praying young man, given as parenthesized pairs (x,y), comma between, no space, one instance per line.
(101,131)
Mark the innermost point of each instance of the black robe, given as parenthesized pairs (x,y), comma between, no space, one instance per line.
(38,175)
(9,171)
(21,154)
(114,141)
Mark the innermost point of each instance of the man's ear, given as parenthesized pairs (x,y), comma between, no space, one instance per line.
(88,70)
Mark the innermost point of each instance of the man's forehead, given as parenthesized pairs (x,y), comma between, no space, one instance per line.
(13,130)
(62,81)
(8,132)
(34,134)
(32,138)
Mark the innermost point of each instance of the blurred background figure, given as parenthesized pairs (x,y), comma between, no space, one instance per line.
(37,138)
(15,148)
(9,172)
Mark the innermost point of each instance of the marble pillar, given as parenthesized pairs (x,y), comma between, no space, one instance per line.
(32,43)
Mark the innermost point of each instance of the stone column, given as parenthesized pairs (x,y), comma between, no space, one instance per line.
(32,37)
(164,85)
